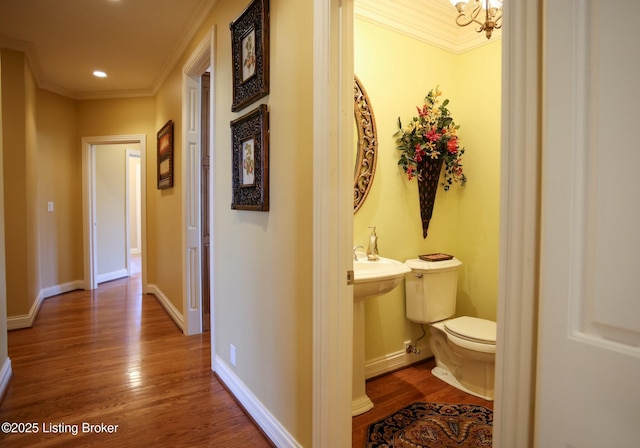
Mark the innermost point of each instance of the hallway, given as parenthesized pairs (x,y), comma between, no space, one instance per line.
(113,358)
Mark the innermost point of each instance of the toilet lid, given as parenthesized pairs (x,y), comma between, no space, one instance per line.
(472,329)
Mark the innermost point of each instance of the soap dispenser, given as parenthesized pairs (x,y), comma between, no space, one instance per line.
(372,250)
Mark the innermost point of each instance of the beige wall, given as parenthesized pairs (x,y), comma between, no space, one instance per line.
(134,194)
(262,260)
(397,72)
(164,224)
(59,181)
(126,116)
(110,161)
(4,353)
(19,139)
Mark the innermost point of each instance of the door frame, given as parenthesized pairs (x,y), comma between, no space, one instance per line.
(200,60)
(519,226)
(89,202)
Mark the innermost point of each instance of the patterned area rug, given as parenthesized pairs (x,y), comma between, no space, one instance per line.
(433,425)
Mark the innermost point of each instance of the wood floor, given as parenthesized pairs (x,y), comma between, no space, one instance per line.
(114,357)
(394,391)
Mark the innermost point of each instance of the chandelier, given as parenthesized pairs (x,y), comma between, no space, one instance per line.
(490,10)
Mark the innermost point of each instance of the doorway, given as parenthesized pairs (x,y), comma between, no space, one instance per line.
(134,213)
(518,237)
(94,272)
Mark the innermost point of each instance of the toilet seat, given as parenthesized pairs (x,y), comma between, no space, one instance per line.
(472,333)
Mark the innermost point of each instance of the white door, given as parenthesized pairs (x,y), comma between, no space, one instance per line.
(588,379)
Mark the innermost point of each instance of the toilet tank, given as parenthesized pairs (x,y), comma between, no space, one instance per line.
(430,289)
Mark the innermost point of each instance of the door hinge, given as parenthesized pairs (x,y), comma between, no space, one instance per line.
(350,277)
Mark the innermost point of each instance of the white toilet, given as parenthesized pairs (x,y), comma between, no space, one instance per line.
(464,347)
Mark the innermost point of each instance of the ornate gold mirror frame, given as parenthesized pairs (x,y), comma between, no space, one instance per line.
(367,147)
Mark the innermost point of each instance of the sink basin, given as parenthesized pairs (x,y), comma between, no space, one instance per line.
(373,278)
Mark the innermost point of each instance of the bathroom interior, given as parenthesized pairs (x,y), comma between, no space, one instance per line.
(397,70)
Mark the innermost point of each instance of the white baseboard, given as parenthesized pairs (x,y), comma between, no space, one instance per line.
(5,376)
(171,310)
(27,320)
(61,289)
(394,361)
(274,430)
(114,275)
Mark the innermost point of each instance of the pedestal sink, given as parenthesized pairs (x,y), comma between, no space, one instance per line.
(371,278)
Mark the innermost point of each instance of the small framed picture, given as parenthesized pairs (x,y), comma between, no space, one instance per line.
(165,156)
(250,160)
(250,54)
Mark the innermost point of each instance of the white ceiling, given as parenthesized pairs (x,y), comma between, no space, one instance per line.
(137,42)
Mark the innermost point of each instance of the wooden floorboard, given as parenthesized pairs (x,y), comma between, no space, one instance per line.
(396,390)
(113,357)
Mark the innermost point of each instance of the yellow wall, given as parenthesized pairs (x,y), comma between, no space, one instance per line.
(124,117)
(165,218)
(397,72)
(4,353)
(19,139)
(479,100)
(59,164)
(262,285)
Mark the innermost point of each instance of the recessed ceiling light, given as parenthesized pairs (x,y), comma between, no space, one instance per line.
(99,74)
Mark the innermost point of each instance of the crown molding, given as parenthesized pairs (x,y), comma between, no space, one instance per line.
(429,21)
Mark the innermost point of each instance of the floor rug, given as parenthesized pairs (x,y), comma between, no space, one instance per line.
(433,425)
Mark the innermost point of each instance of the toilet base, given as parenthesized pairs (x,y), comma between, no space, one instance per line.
(448,378)
(471,371)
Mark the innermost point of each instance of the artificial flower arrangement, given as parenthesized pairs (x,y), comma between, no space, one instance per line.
(431,135)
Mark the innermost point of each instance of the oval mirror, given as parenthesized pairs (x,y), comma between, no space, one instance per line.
(366,147)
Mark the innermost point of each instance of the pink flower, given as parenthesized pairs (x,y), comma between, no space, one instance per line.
(410,172)
(452,145)
(424,111)
(433,135)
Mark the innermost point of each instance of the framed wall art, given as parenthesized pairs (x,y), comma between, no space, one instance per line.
(250,160)
(165,156)
(250,54)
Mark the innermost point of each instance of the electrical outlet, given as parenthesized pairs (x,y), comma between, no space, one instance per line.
(232,354)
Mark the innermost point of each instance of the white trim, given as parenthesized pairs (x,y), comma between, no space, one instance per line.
(114,275)
(519,226)
(171,310)
(332,222)
(199,61)
(260,414)
(5,377)
(88,202)
(433,23)
(395,361)
(26,320)
(61,289)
